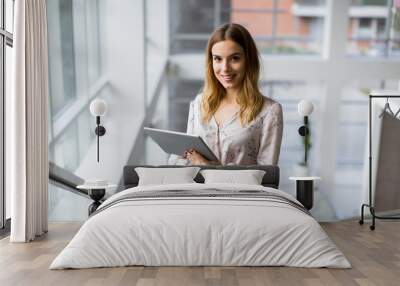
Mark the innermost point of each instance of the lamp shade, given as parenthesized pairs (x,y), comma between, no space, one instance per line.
(98,107)
(305,107)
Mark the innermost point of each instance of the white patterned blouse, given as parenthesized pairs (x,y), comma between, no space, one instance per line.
(257,143)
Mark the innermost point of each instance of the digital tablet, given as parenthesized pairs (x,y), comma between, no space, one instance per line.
(177,142)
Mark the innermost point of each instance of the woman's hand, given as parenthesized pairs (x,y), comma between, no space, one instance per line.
(196,158)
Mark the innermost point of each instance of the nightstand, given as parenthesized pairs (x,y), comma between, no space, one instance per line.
(96,192)
(305,190)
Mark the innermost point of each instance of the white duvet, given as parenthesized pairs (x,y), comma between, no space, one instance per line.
(200,231)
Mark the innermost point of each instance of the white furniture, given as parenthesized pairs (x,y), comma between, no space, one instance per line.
(305,190)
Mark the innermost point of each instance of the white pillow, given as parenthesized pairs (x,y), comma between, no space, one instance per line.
(248,177)
(163,176)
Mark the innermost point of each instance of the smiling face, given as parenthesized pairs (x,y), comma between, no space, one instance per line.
(228,63)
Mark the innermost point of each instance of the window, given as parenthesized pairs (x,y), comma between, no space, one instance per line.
(279,27)
(61,54)
(181,93)
(374,28)
(282,27)
(93,41)
(6,43)
(193,21)
(75,78)
(75,65)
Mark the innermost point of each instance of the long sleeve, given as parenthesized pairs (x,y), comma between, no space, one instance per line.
(179,160)
(271,137)
(190,123)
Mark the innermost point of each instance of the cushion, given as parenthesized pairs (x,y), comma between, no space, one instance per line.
(271,177)
(248,177)
(162,176)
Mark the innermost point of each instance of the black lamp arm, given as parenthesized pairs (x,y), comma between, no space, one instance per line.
(100,131)
(304,131)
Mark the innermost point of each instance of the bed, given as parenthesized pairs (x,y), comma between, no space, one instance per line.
(201,224)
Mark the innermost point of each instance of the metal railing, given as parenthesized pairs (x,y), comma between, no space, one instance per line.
(66,180)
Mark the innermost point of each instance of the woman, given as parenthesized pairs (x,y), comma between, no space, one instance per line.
(239,124)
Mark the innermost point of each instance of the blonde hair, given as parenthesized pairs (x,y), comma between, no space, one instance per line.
(251,100)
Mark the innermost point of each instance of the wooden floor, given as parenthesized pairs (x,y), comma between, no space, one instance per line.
(374,255)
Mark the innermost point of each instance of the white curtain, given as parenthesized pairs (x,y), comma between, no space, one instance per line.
(27,148)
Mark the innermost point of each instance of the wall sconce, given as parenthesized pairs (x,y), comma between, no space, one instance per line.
(98,107)
(305,108)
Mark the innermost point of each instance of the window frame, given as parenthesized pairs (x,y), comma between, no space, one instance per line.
(375,35)
(273,38)
(6,39)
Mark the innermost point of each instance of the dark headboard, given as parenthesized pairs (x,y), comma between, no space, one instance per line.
(271,177)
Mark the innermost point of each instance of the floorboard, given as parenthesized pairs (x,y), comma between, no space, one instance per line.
(374,255)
